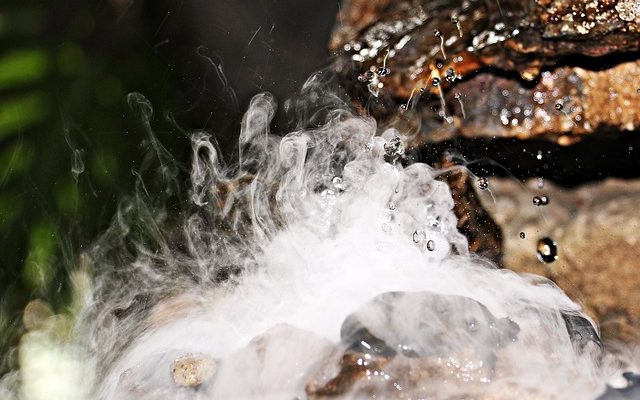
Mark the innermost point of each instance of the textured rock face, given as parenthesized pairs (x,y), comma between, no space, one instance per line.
(192,370)
(473,68)
(597,229)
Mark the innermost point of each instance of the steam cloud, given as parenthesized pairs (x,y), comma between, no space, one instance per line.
(312,245)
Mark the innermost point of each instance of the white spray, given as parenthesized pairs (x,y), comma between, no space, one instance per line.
(277,251)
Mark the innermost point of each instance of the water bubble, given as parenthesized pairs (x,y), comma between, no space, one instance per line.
(472,325)
(539,155)
(540,183)
(392,206)
(559,106)
(431,245)
(483,183)
(544,199)
(450,75)
(384,71)
(547,250)
(522,235)
(457,95)
(454,19)
(436,81)
(328,196)
(437,33)
(336,182)
(418,236)
(537,201)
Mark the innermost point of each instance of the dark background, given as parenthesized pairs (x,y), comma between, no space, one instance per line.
(65,70)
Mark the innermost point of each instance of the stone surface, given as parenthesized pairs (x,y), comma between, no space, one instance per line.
(482,232)
(597,229)
(508,64)
(193,370)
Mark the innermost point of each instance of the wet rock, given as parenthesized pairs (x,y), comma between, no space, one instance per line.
(581,331)
(482,233)
(631,391)
(400,341)
(193,370)
(426,345)
(489,57)
(416,324)
(597,230)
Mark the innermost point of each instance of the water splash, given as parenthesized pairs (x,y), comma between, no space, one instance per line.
(245,293)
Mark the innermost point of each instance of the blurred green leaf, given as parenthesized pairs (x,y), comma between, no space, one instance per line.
(39,266)
(109,91)
(14,161)
(22,112)
(26,20)
(67,196)
(22,66)
(10,208)
(104,166)
(70,59)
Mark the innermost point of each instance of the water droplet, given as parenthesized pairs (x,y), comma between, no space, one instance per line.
(540,183)
(436,81)
(327,194)
(337,183)
(437,33)
(539,155)
(384,71)
(454,19)
(544,200)
(473,325)
(431,245)
(450,75)
(418,236)
(483,183)
(547,250)
(559,106)
(392,206)
(457,96)
(537,201)
(522,235)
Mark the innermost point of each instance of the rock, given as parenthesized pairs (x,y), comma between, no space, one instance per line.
(478,65)
(193,370)
(631,391)
(416,323)
(597,230)
(483,234)
(400,343)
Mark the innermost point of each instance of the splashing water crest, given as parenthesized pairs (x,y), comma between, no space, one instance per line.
(276,253)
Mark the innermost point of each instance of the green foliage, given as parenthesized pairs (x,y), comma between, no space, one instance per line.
(68,141)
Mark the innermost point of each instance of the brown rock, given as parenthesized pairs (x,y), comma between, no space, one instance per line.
(192,370)
(597,230)
(482,232)
(482,53)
